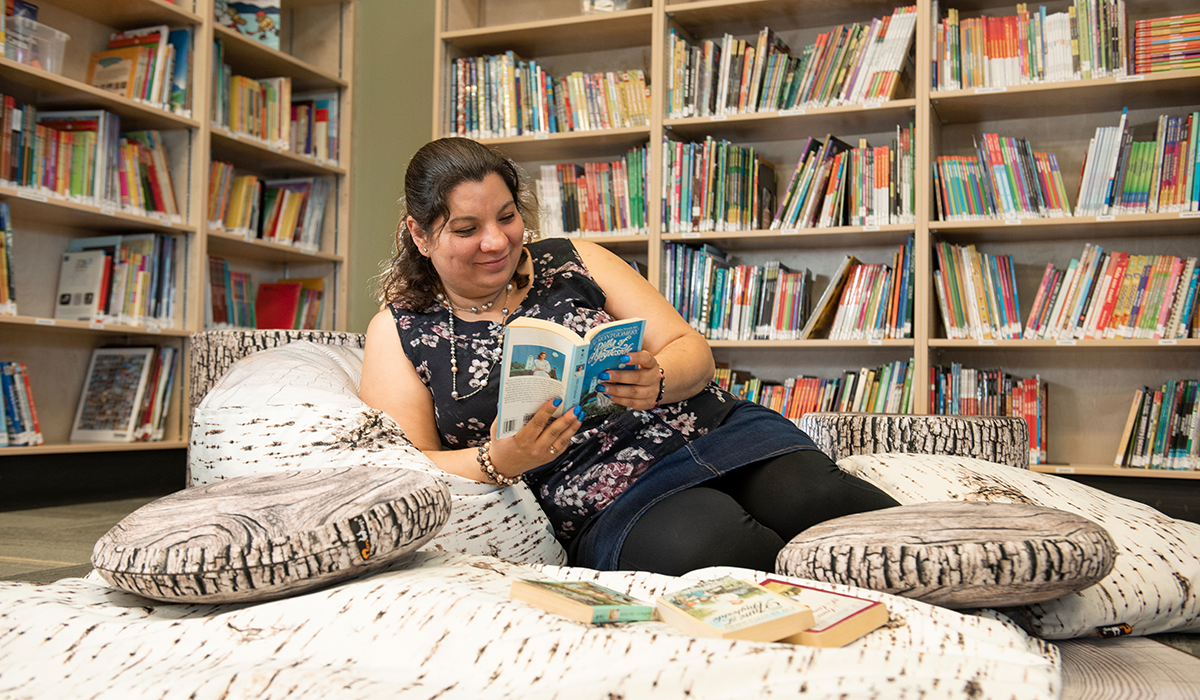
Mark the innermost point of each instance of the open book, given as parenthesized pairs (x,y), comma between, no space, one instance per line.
(544,360)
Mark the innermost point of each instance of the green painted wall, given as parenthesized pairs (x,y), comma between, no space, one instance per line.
(393,95)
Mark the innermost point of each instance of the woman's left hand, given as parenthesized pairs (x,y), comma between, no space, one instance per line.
(635,388)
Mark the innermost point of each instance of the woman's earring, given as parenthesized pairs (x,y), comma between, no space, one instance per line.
(528,237)
(425,251)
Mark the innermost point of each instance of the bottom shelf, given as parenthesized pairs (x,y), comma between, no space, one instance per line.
(88,447)
(1108,470)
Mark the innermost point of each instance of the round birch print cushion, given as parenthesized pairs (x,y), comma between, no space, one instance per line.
(265,536)
(956,554)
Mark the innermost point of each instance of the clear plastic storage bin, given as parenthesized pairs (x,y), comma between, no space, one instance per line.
(34,44)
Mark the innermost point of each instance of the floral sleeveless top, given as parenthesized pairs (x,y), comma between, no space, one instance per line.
(609,452)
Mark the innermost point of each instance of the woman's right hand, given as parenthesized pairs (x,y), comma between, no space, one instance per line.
(542,440)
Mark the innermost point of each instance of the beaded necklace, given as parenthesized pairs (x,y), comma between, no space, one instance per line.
(499,335)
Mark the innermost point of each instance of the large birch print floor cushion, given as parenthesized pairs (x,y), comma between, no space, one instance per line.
(1154,585)
(959,554)
(264,536)
(442,626)
(297,407)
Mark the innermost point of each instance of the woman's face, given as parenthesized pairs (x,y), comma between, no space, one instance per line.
(479,246)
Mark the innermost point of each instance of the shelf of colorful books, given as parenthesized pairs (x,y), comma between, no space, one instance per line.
(238,245)
(35,206)
(1056,99)
(82,448)
(41,323)
(266,158)
(256,60)
(544,29)
(1103,470)
(51,91)
(122,13)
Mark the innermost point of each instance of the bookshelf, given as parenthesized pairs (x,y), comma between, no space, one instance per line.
(316,52)
(1091,381)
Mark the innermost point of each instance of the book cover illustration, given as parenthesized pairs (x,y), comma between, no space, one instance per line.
(257,19)
(583,601)
(112,394)
(838,618)
(731,608)
(81,281)
(544,360)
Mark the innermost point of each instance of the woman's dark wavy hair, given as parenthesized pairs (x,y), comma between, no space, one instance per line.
(434,171)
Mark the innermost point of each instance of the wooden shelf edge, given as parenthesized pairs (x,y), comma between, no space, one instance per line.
(88,327)
(1072,344)
(1102,470)
(90,447)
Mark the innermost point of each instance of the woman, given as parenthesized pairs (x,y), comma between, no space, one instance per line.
(691,477)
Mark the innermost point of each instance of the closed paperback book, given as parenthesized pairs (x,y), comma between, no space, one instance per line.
(731,608)
(582,601)
(81,285)
(544,360)
(838,618)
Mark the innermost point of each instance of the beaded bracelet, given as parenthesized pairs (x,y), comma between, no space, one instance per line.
(489,470)
(662,385)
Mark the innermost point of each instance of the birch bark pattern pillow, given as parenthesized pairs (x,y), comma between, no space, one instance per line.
(265,536)
(1152,586)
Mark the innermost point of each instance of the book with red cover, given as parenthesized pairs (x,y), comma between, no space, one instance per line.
(276,303)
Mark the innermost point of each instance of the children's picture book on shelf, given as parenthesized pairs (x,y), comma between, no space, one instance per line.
(544,360)
(82,285)
(583,601)
(825,309)
(112,395)
(838,618)
(731,608)
(257,19)
(276,304)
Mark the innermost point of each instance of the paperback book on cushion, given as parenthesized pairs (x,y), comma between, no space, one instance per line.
(838,618)
(583,601)
(731,608)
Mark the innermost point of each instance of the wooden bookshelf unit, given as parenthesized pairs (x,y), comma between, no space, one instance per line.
(1091,382)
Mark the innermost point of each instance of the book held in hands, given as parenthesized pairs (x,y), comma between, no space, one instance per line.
(731,608)
(838,618)
(583,601)
(544,360)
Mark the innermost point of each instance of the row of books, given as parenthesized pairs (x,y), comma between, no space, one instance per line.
(266,109)
(1163,428)
(129,279)
(856,63)
(964,391)
(144,174)
(64,153)
(1166,43)
(772,610)
(875,301)
(1121,176)
(502,95)
(233,301)
(883,389)
(835,184)
(290,211)
(595,199)
(126,394)
(976,293)
(1117,295)
(1005,178)
(8,287)
(18,411)
(1087,40)
(148,64)
(724,300)
(715,186)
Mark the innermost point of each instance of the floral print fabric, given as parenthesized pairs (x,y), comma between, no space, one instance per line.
(608,453)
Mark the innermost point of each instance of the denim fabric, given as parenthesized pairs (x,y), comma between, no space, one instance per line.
(750,433)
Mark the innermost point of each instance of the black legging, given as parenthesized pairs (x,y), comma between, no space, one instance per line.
(745,517)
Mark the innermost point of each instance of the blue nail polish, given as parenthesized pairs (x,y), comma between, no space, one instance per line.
(579,413)
(624,359)
(557,402)
(604,375)
(600,389)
